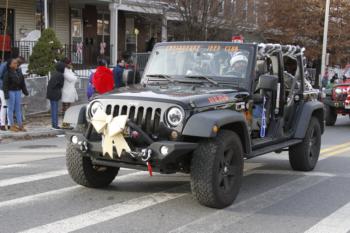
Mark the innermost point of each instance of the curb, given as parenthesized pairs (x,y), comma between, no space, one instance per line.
(31,135)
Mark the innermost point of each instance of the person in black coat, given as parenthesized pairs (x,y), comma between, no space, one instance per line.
(13,87)
(54,92)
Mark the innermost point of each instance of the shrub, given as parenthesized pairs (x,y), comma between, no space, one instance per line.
(45,52)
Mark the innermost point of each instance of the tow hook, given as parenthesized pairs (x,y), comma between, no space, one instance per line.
(146,155)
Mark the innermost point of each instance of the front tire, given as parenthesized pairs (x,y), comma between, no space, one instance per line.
(83,172)
(217,170)
(331,115)
(304,156)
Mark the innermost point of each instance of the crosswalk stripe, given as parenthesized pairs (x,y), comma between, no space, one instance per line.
(223,219)
(32,151)
(57,192)
(41,196)
(337,222)
(13,166)
(38,197)
(105,214)
(31,178)
(291,172)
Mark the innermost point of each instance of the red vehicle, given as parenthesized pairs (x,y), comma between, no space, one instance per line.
(337,100)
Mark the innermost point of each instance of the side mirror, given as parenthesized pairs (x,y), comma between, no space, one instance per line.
(268,83)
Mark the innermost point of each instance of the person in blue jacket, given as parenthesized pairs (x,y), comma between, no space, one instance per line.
(118,73)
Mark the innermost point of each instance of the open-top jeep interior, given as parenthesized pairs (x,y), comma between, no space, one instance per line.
(277,86)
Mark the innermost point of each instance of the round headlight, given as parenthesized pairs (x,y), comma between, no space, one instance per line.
(338,91)
(174,116)
(94,107)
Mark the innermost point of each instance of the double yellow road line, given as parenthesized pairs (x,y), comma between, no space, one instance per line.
(334,150)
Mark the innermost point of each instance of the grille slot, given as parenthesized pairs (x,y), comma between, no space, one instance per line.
(115,111)
(139,117)
(108,109)
(147,118)
(148,121)
(124,110)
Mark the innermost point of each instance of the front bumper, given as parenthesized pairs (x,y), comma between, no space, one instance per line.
(341,106)
(161,162)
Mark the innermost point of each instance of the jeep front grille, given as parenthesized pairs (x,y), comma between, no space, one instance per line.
(147,118)
(341,97)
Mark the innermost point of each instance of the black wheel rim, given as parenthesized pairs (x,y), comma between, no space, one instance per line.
(227,170)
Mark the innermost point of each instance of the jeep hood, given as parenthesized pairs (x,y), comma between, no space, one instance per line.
(185,96)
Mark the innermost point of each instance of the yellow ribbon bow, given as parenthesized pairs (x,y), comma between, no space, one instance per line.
(112,129)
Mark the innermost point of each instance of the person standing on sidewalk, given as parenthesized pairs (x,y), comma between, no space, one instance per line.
(69,93)
(3,109)
(13,86)
(54,92)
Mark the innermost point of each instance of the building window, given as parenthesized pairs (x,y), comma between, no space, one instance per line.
(76,23)
(130,43)
(39,15)
(10,22)
(103,24)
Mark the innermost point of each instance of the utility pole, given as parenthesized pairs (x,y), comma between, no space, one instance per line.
(324,45)
(46,15)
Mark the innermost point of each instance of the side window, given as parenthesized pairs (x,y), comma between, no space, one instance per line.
(290,65)
(291,75)
(263,66)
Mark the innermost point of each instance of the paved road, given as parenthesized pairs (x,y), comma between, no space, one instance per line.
(37,195)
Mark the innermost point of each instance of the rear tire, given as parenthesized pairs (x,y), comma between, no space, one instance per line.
(331,115)
(217,170)
(304,156)
(83,172)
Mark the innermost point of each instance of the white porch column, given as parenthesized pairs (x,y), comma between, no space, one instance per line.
(46,15)
(164,26)
(113,7)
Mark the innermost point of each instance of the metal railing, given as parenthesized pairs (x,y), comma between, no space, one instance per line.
(80,54)
(141,59)
(24,48)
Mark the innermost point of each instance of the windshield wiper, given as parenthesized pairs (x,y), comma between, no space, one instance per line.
(203,77)
(167,77)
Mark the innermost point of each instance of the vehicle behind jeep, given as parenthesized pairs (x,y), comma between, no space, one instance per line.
(337,101)
(201,108)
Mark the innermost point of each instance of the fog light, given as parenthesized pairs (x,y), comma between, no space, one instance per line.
(164,150)
(75,140)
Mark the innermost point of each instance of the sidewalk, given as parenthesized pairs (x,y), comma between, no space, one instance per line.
(36,126)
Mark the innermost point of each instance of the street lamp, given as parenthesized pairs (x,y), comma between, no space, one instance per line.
(325,36)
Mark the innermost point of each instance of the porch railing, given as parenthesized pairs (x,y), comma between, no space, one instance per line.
(141,60)
(82,56)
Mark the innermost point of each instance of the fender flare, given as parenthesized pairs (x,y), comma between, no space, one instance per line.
(308,110)
(75,115)
(201,125)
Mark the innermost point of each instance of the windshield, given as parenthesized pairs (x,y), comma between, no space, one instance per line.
(219,62)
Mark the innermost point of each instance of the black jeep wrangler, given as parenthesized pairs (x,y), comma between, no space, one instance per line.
(201,108)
